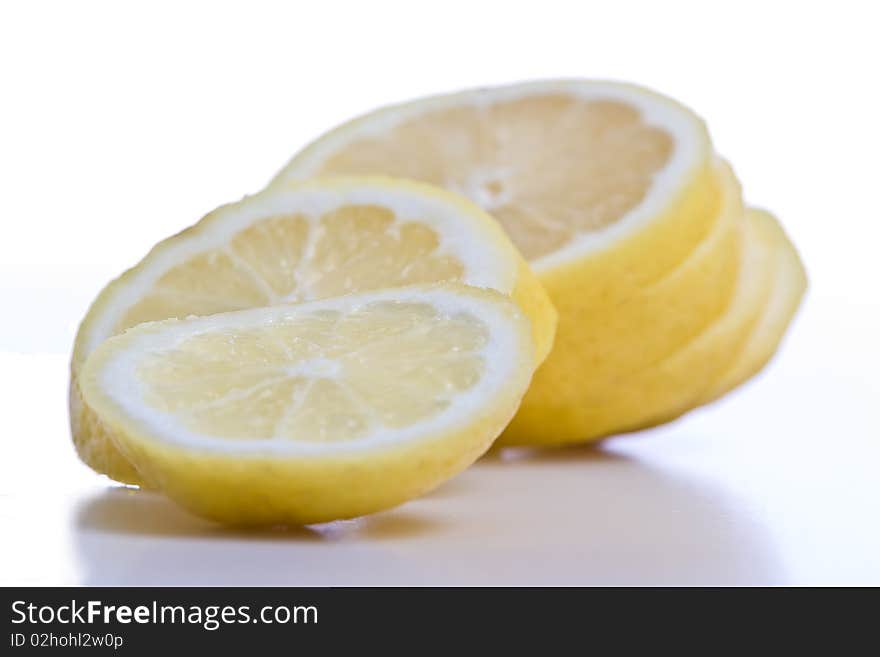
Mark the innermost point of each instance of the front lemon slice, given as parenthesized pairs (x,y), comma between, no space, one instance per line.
(314,240)
(316,411)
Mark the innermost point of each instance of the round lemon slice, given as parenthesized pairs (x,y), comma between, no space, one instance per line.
(569,167)
(316,411)
(311,241)
(613,194)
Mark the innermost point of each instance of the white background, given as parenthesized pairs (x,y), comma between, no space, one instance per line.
(121,125)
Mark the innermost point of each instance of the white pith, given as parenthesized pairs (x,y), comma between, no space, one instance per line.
(485,264)
(689,135)
(502,355)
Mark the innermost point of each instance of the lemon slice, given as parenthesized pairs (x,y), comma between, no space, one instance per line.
(315,240)
(568,167)
(317,411)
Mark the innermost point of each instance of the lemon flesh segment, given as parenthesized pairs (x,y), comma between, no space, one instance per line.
(783,299)
(317,411)
(310,241)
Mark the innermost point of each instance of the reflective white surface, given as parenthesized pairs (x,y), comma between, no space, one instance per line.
(777,484)
(110,144)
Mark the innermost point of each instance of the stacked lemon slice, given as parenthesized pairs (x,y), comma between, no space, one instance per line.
(321,410)
(347,339)
(669,292)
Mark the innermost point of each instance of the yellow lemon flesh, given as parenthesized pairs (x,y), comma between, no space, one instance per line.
(316,411)
(311,241)
(614,195)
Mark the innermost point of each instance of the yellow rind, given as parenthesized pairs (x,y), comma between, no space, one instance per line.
(784,298)
(744,339)
(94,442)
(254,489)
(613,325)
(676,384)
(531,296)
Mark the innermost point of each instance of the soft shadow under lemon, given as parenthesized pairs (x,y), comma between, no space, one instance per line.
(573,516)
